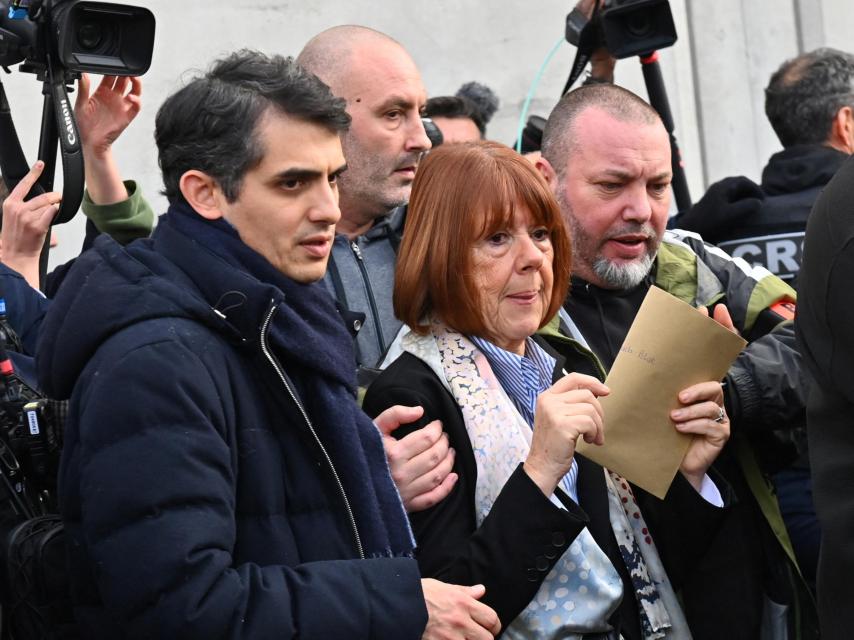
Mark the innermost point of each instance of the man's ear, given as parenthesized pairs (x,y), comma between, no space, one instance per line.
(547,171)
(202,193)
(842,130)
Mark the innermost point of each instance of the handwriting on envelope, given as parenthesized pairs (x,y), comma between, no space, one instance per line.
(669,347)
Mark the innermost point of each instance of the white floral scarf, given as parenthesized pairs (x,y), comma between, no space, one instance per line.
(583,589)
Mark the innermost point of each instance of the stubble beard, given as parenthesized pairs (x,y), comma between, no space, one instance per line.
(369,183)
(612,275)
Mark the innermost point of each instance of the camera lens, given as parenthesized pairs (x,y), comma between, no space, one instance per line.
(639,25)
(90,35)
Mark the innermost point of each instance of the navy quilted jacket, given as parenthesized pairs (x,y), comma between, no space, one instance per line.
(197,503)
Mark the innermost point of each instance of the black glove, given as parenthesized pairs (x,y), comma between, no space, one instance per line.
(725,203)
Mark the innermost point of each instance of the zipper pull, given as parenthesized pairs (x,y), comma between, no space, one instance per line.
(356,250)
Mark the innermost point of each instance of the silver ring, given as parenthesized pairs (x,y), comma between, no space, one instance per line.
(721,415)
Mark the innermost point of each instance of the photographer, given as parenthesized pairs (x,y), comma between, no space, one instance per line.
(111,206)
(808,102)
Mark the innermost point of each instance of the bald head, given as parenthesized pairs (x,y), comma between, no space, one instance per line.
(560,136)
(329,54)
(385,96)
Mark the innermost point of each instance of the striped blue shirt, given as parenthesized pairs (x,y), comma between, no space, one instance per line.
(524,378)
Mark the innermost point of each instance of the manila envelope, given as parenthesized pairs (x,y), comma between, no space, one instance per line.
(670,346)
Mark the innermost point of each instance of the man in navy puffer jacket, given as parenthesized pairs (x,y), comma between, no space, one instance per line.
(218,479)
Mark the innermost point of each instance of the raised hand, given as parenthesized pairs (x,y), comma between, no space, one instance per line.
(568,410)
(101,118)
(104,115)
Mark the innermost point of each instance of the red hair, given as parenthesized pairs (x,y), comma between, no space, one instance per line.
(463,193)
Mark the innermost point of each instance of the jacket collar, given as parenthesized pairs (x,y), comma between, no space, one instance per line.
(202,251)
(387,226)
(801,167)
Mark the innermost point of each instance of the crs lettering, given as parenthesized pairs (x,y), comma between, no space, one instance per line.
(781,254)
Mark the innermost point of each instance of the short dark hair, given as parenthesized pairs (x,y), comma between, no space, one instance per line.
(211,124)
(805,94)
(619,103)
(455,107)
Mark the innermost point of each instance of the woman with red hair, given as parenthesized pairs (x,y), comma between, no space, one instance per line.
(564,548)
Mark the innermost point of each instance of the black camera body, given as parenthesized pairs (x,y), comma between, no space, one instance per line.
(77,35)
(626,28)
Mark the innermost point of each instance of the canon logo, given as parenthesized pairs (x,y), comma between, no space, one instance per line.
(69,123)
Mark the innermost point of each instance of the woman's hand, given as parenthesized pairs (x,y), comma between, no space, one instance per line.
(568,410)
(703,415)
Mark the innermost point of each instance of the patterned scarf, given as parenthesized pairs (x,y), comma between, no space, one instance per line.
(583,589)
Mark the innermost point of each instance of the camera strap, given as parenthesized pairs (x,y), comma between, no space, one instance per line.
(588,40)
(581,59)
(73,173)
(13,163)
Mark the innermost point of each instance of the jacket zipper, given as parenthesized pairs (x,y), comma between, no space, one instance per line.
(374,311)
(278,368)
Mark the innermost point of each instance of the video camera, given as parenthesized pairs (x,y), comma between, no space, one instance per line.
(77,36)
(624,27)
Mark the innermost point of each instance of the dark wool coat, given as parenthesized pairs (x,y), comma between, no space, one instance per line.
(825,328)
(525,534)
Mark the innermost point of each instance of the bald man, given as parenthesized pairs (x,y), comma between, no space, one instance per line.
(606,155)
(385,97)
